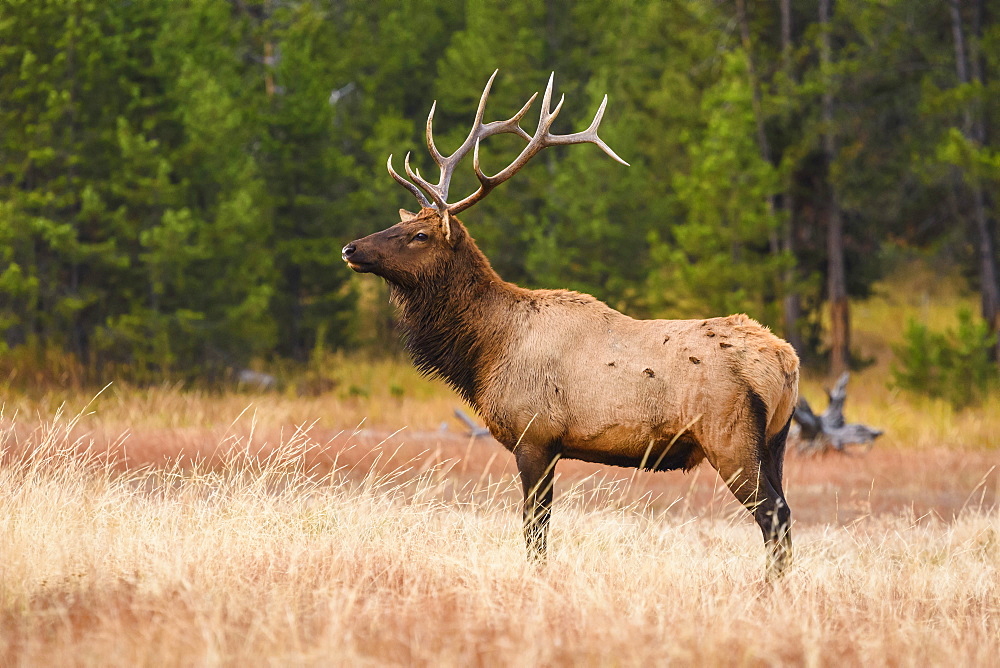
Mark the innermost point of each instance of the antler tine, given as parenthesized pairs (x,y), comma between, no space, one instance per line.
(480,110)
(406,184)
(425,185)
(546,118)
(429,132)
(447,165)
(588,135)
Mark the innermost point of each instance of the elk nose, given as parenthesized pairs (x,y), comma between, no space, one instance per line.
(347,251)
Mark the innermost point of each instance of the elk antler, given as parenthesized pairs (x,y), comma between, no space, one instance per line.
(541,139)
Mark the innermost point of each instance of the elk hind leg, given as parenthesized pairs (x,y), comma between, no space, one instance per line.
(754,478)
(752,488)
(772,463)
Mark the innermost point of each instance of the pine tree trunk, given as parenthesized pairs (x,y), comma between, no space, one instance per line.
(989,293)
(269,69)
(836,282)
(792,304)
(968,68)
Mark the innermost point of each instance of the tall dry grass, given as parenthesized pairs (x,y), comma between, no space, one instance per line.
(260,557)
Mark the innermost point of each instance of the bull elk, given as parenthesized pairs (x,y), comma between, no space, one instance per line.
(558,374)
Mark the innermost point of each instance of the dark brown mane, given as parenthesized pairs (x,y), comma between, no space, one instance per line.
(452,322)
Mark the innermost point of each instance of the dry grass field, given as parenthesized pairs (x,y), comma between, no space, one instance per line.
(158,527)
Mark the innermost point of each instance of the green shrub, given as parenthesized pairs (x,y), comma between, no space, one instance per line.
(955,365)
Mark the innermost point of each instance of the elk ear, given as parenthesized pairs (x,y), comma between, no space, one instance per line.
(405,215)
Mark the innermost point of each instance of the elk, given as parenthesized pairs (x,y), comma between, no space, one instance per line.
(559,374)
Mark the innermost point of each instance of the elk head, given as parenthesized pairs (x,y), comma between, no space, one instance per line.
(421,243)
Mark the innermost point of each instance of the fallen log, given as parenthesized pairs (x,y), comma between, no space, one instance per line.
(818,434)
(475,430)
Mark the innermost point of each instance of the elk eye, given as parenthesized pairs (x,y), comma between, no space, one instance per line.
(420,236)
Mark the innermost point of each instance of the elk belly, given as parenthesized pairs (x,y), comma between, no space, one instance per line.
(618,445)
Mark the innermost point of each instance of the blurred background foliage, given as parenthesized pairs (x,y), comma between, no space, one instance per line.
(177,179)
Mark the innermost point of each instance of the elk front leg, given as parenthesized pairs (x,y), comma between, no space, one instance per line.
(537,469)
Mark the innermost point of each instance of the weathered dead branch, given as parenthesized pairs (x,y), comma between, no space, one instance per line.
(819,434)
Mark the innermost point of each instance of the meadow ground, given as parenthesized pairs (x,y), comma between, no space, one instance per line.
(160,527)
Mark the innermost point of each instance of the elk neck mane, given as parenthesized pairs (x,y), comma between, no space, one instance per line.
(455,323)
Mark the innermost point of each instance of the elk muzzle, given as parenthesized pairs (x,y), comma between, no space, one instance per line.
(354,259)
